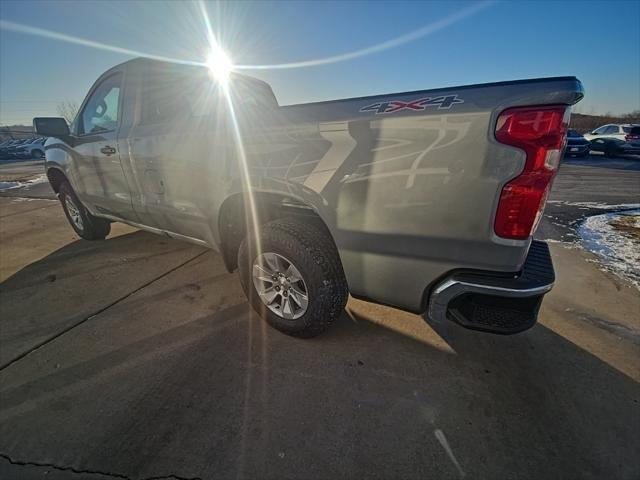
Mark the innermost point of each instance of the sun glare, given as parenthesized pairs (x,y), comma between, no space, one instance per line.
(219,65)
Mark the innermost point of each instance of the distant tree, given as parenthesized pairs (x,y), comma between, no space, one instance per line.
(67,110)
(586,123)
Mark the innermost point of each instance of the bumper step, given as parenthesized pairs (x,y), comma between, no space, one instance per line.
(504,304)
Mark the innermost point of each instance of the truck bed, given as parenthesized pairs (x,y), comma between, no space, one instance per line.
(407,183)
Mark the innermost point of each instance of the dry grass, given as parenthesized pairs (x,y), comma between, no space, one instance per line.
(628,225)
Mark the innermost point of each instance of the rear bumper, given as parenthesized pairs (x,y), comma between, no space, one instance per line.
(497,304)
(577,149)
(631,150)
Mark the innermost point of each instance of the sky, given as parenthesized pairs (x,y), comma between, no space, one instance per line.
(416,45)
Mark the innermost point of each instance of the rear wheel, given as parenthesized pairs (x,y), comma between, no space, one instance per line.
(295,279)
(610,151)
(84,224)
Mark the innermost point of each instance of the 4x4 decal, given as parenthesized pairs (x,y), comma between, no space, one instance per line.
(443,102)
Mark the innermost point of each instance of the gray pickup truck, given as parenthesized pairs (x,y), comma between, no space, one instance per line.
(426,200)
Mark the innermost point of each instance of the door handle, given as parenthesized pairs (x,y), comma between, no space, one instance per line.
(107,150)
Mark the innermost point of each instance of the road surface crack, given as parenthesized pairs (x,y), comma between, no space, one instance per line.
(92,472)
(97,312)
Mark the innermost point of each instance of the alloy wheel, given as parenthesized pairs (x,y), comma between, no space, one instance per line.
(280,285)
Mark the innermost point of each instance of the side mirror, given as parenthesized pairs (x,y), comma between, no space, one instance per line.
(51,127)
(595,133)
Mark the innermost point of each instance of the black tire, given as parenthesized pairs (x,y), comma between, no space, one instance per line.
(310,248)
(89,227)
(37,154)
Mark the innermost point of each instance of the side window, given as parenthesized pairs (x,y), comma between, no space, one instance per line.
(100,113)
(601,130)
(612,129)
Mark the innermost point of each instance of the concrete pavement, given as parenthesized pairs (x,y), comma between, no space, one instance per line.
(142,359)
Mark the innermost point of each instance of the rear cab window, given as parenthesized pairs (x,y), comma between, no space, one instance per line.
(173,92)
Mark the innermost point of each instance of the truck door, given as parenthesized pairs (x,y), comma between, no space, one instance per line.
(100,180)
(173,164)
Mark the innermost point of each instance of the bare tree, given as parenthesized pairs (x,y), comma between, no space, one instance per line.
(633,117)
(67,110)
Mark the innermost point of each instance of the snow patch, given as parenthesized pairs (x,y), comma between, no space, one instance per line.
(601,206)
(11,185)
(30,199)
(619,253)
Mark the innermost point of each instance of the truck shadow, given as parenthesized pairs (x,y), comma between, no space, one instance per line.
(221,395)
(52,294)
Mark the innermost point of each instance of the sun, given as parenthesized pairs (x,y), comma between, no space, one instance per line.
(219,65)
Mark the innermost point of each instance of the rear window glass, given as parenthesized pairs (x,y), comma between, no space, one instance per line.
(632,130)
(172,92)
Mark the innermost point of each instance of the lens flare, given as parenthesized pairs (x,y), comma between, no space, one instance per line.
(427,30)
(41,32)
(219,65)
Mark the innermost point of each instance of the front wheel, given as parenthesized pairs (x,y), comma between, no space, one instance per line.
(291,273)
(84,224)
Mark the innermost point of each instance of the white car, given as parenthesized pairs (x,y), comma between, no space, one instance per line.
(626,132)
(32,148)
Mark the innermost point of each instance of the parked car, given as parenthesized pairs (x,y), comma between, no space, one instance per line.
(424,200)
(628,132)
(34,148)
(577,145)
(5,147)
(10,150)
(612,147)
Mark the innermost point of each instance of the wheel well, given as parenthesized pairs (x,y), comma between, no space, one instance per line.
(235,219)
(56,177)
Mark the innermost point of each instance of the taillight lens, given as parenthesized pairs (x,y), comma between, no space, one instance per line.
(541,132)
(630,137)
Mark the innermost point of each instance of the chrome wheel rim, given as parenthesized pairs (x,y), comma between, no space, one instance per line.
(74,212)
(280,285)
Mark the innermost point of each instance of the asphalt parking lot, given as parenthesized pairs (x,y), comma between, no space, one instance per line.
(138,357)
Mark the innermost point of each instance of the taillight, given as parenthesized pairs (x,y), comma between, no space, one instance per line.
(541,132)
(628,138)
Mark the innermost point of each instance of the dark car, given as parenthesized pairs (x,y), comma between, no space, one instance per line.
(9,149)
(577,145)
(4,148)
(612,147)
